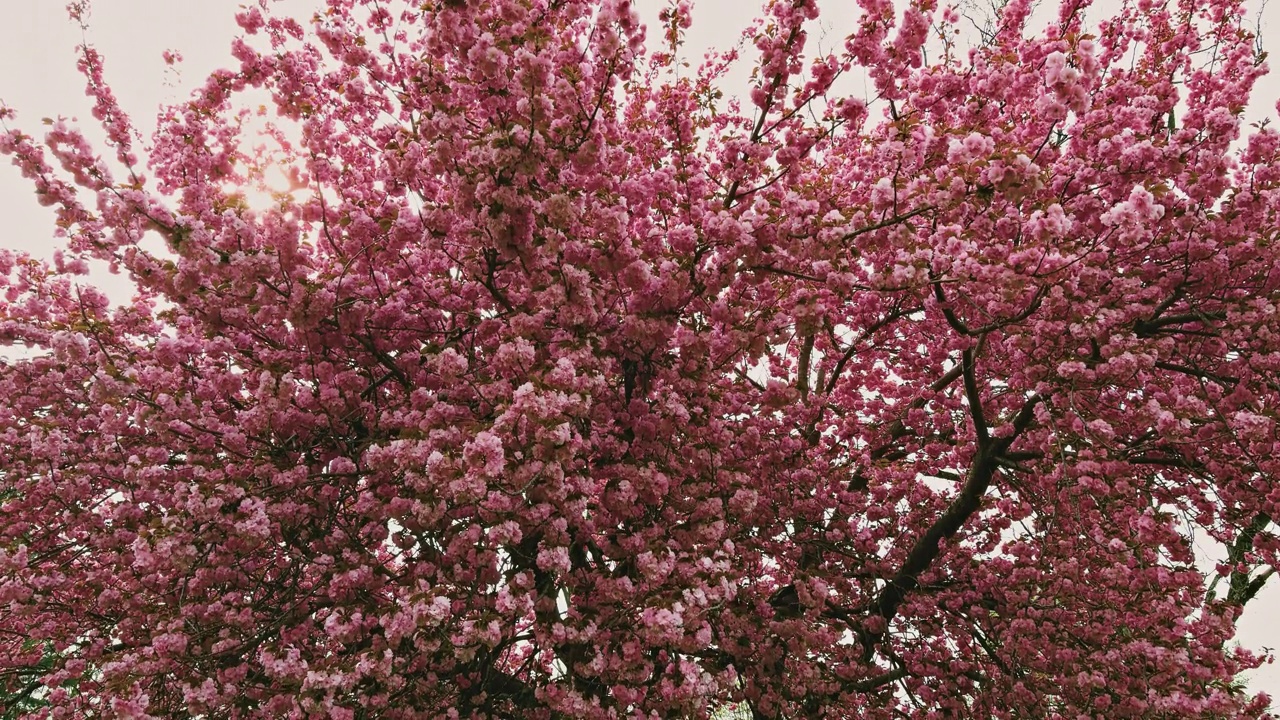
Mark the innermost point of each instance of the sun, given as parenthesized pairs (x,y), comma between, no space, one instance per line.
(274,186)
(270,173)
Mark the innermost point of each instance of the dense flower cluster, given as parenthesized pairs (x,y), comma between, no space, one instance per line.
(562,385)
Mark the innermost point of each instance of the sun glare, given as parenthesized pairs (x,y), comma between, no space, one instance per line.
(273,185)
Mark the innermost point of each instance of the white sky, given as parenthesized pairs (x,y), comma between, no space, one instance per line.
(39,79)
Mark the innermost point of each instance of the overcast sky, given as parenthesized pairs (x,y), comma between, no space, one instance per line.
(39,79)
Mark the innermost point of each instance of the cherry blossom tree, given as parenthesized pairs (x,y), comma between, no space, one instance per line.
(563,384)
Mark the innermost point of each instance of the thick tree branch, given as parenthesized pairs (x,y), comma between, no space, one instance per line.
(806,355)
(888,222)
(961,327)
(1154,326)
(927,547)
(1224,380)
(973,395)
(1243,586)
(879,681)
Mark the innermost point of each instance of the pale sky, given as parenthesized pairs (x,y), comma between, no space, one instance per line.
(38,78)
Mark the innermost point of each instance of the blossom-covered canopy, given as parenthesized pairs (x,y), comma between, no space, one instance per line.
(563,385)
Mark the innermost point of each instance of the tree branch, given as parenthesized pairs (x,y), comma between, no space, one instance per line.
(879,681)
(853,346)
(974,395)
(927,548)
(888,222)
(1243,588)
